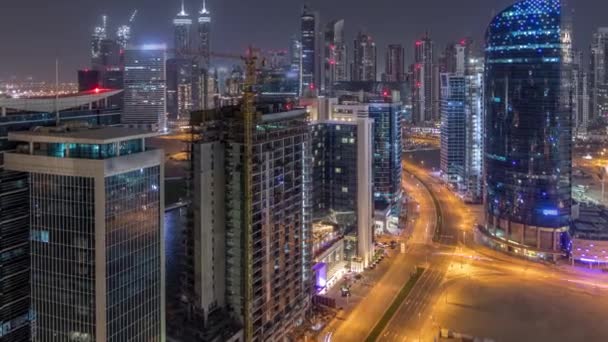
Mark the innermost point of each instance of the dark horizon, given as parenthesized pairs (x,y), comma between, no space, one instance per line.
(37,35)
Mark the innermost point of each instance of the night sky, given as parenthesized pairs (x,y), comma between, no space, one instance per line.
(35,32)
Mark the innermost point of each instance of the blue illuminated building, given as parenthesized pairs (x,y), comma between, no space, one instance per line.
(528,152)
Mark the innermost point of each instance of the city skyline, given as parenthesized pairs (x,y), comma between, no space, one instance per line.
(387,22)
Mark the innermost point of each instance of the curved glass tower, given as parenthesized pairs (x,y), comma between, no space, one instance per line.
(528,127)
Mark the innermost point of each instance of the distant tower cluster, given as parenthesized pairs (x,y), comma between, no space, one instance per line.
(190,84)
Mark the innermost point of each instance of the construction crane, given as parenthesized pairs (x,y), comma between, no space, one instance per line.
(248,112)
(123,33)
(132,17)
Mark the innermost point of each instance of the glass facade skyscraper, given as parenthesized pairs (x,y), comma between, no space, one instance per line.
(342,178)
(309,52)
(386,113)
(453,128)
(528,127)
(14,199)
(145,86)
(96,233)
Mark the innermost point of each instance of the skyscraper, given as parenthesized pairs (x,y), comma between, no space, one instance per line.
(599,73)
(108,57)
(182,25)
(581,100)
(249,256)
(474,112)
(453,128)
(394,65)
(16,115)
(343,180)
(96,231)
(145,86)
(204,36)
(453,60)
(310,54)
(528,128)
(385,110)
(364,60)
(335,60)
(295,58)
(423,81)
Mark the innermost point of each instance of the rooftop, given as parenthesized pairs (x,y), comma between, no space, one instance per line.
(81,135)
(59,103)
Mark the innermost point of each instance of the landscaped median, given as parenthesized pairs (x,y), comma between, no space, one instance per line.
(392,309)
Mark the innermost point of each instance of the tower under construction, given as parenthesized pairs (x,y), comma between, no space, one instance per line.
(248,257)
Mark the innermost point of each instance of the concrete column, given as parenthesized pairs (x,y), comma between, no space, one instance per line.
(3,111)
(538,237)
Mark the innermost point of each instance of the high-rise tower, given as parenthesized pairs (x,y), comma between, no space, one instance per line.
(309,36)
(599,73)
(424,93)
(96,233)
(528,150)
(182,25)
(364,61)
(145,86)
(334,55)
(204,36)
(394,71)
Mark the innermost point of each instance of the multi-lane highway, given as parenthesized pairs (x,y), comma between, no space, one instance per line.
(469,288)
(358,323)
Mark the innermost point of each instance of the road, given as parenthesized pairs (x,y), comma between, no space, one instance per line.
(410,318)
(356,324)
(483,293)
(471,289)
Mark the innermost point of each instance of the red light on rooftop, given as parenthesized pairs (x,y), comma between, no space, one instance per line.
(463,42)
(418,43)
(96,90)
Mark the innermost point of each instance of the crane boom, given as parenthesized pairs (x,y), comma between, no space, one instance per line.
(133,16)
